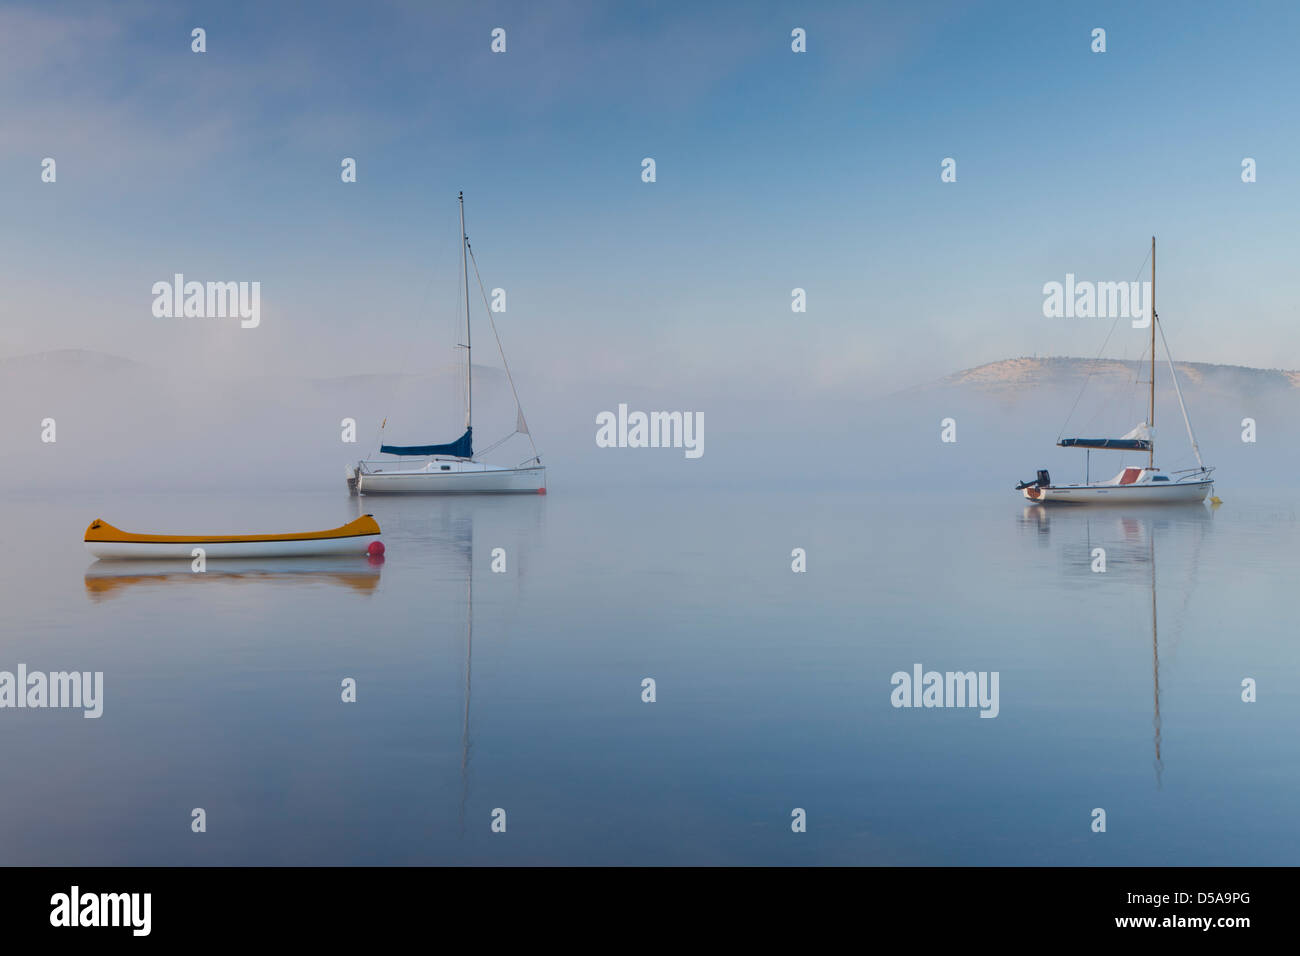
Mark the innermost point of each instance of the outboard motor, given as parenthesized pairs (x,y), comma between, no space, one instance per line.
(1043,480)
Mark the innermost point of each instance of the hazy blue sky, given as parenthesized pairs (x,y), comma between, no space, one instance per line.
(775,170)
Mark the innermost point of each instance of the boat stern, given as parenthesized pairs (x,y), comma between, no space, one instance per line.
(1036,490)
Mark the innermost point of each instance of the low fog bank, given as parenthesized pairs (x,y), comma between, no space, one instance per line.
(1003,439)
(121,425)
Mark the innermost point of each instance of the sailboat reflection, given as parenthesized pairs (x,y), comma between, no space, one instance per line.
(357,574)
(469,660)
(1136,532)
(512,522)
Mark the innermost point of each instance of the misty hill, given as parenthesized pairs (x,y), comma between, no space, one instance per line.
(71,361)
(1013,375)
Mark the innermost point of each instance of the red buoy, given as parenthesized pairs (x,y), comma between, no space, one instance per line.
(376,549)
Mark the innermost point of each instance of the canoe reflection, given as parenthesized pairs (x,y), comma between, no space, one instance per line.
(357,574)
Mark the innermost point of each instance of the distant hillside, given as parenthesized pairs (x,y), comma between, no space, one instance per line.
(87,361)
(69,360)
(1019,374)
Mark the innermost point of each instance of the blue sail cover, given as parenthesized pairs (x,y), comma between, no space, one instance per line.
(462,447)
(1115,444)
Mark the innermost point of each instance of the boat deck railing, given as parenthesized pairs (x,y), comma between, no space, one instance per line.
(1192,473)
(408,459)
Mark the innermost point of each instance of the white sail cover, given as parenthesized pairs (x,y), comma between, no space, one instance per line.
(1141,438)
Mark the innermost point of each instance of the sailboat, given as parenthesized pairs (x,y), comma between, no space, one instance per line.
(453,468)
(1133,483)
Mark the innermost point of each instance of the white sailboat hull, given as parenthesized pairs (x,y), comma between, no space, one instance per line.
(459,478)
(1160,492)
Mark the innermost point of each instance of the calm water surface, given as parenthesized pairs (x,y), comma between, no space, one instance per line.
(522,690)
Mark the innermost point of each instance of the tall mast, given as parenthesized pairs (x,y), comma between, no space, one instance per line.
(1151,404)
(469,356)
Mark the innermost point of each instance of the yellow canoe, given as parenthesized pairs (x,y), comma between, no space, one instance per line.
(103,540)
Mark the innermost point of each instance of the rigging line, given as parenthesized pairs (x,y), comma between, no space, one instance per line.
(497,444)
(1179,392)
(393,381)
(1088,377)
(510,378)
(1135,397)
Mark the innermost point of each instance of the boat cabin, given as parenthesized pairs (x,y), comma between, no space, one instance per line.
(1133,475)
